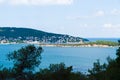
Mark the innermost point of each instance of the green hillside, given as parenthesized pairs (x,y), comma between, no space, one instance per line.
(12,33)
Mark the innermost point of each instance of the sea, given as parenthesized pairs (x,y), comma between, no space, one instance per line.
(81,58)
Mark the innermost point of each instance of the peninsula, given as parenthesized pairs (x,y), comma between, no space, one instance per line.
(27,35)
(12,35)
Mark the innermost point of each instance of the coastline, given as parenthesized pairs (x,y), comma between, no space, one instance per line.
(76,45)
(65,45)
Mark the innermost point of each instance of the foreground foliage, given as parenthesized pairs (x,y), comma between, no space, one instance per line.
(59,72)
(109,71)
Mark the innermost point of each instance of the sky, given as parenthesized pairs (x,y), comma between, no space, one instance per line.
(82,18)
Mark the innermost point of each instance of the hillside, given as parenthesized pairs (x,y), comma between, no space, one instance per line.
(12,34)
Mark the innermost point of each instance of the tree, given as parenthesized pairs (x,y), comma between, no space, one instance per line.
(25,60)
(113,69)
(59,72)
(98,71)
(78,76)
(54,72)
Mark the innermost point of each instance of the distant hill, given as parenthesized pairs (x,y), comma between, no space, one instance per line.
(12,33)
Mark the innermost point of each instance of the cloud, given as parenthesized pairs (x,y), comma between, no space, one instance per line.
(83,25)
(96,14)
(108,25)
(115,12)
(99,13)
(77,17)
(37,2)
(112,29)
(112,26)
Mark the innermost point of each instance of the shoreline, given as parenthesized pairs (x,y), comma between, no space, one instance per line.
(83,45)
(65,45)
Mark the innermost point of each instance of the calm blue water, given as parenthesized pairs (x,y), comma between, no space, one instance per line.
(81,58)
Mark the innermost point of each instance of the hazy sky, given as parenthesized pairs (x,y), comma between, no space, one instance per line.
(83,18)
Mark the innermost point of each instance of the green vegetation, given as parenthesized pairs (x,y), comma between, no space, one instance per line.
(109,71)
(25,34)
(25,60)
(59,72)
(100,42)
(86,44)
(29,57)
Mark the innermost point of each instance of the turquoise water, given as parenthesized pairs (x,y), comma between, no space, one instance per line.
(81,58)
